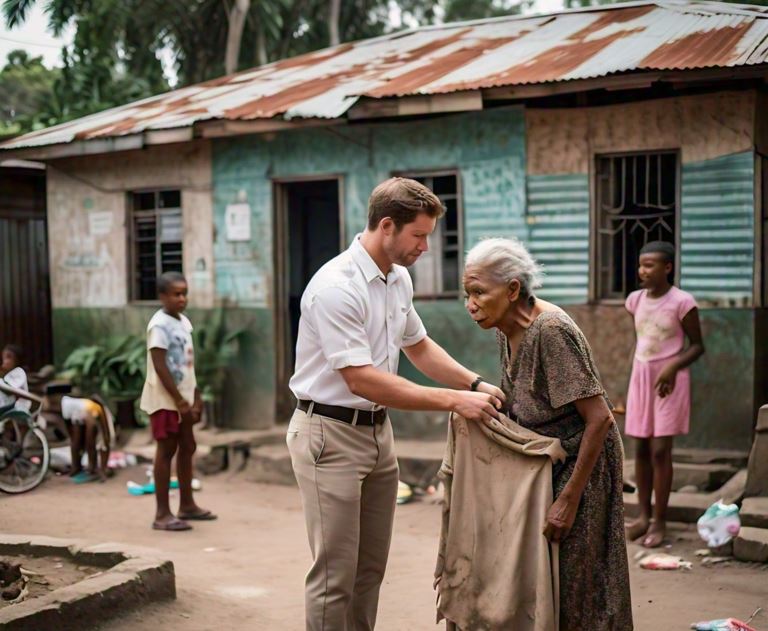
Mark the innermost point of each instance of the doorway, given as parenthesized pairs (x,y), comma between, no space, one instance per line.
(309,232)
(25,300)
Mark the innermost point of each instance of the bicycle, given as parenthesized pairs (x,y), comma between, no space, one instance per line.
(24,451)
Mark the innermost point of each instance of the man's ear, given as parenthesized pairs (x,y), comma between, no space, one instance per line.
(513,290)
(387,225)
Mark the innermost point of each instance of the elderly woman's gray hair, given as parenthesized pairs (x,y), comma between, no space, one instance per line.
(506,260)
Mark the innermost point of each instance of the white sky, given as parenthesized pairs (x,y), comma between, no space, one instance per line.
(34,37)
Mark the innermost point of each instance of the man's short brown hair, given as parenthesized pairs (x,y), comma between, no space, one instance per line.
(401,199)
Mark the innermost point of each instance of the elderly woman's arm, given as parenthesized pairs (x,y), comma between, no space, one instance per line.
(598,420)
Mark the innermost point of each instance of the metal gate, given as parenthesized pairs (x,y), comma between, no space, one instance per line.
(25,304)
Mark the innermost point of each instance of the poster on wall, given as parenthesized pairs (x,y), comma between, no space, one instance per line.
(238,222)
(99,222)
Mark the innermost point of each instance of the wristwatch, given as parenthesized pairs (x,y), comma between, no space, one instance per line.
(476,383)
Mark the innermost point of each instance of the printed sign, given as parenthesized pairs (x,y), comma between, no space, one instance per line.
(238,222)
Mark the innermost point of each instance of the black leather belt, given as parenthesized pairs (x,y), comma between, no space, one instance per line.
(345,415)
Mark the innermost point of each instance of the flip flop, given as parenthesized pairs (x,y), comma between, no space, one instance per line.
(206,515)
(175,525)
(84,477)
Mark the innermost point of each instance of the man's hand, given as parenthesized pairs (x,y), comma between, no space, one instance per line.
(665,383)
(476,406)
(560,518)
(489,388)
(185,409)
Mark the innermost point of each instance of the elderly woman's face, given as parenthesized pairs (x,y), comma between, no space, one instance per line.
(486,299)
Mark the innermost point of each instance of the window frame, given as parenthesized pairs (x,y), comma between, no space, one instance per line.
(133,276)
(595,296)
(443,172)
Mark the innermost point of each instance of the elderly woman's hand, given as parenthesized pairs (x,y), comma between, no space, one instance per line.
(560,518)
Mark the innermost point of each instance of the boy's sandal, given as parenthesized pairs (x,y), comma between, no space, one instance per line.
(84,477)
(205,515)
(175,525)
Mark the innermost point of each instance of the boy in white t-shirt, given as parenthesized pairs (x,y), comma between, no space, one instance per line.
(171,399)
(12,374)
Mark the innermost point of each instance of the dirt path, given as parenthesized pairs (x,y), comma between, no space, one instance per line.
(246,570)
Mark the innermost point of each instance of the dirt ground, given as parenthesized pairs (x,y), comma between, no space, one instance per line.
(246,569)
(50,573)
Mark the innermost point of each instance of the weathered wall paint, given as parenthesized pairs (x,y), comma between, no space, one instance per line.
(717,237)
(87,221)
(487,148)
(703,127)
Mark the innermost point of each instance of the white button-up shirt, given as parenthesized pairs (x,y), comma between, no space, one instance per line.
(352,315)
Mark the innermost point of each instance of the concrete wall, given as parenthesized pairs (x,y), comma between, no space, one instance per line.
(87,221)
(714,134)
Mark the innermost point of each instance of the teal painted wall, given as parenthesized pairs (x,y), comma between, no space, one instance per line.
(717,233)
(558,216)
(488,148)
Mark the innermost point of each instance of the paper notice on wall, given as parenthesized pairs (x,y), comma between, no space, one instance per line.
(238,222)
(99,223)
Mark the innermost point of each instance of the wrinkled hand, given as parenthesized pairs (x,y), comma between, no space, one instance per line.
(665,383)
(477,406)
(489,388)
(185,410)
(560,518)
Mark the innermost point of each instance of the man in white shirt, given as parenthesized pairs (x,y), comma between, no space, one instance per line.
(357,314)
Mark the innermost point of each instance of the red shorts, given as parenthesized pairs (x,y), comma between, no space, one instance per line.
(164,423)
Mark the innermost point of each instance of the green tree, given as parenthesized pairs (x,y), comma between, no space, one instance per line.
(28,101)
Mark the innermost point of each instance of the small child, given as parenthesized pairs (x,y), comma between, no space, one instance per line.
(173,403)
(659,397)
(91,428)
(12,374)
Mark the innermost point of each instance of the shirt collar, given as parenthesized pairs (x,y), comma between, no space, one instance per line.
(367,264)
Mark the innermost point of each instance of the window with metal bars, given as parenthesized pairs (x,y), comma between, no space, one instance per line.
(637,202)
(436,273)
(156,239)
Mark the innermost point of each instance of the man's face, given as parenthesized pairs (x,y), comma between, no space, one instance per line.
(175,299)
(404,247)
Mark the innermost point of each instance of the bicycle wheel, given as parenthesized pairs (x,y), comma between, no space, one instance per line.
(24,456)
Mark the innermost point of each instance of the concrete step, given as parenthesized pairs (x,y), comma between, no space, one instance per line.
(757,482)
(419,463)
(705,477)
(688,507)
(692,455)
(751,545)
(754,512)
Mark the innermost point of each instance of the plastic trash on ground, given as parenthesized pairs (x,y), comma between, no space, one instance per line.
(404,493)
(719,524)
(726,624)
(662,561)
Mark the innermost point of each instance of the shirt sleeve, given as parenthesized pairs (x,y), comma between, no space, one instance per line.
(157,337)
(684,306)
(631,302)
(565,365)
(17,378)
(340,322)
(414,328)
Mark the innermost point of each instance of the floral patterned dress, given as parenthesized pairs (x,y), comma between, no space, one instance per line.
(554,368)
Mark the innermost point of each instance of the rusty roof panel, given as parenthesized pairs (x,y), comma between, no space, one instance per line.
(566,46)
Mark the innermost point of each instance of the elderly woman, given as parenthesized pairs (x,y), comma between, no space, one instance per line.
(553,388)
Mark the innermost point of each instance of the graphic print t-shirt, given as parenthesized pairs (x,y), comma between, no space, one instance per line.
(175,336)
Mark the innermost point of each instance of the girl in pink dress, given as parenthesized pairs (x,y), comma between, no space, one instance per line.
(659,397)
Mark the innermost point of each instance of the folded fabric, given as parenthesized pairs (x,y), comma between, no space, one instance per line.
(496,571)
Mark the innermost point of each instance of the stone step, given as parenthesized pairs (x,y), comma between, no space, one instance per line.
(693,455)
(419,463)
(757,482)
(705,477)
(688,507)
(754,512)
(751,545)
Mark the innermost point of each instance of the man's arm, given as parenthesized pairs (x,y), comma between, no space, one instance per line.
(161,368)
(433,361)
(393,391)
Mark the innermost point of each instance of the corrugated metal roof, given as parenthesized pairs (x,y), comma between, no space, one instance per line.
(518,50)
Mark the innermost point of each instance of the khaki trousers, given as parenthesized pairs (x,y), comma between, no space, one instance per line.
(348,480)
